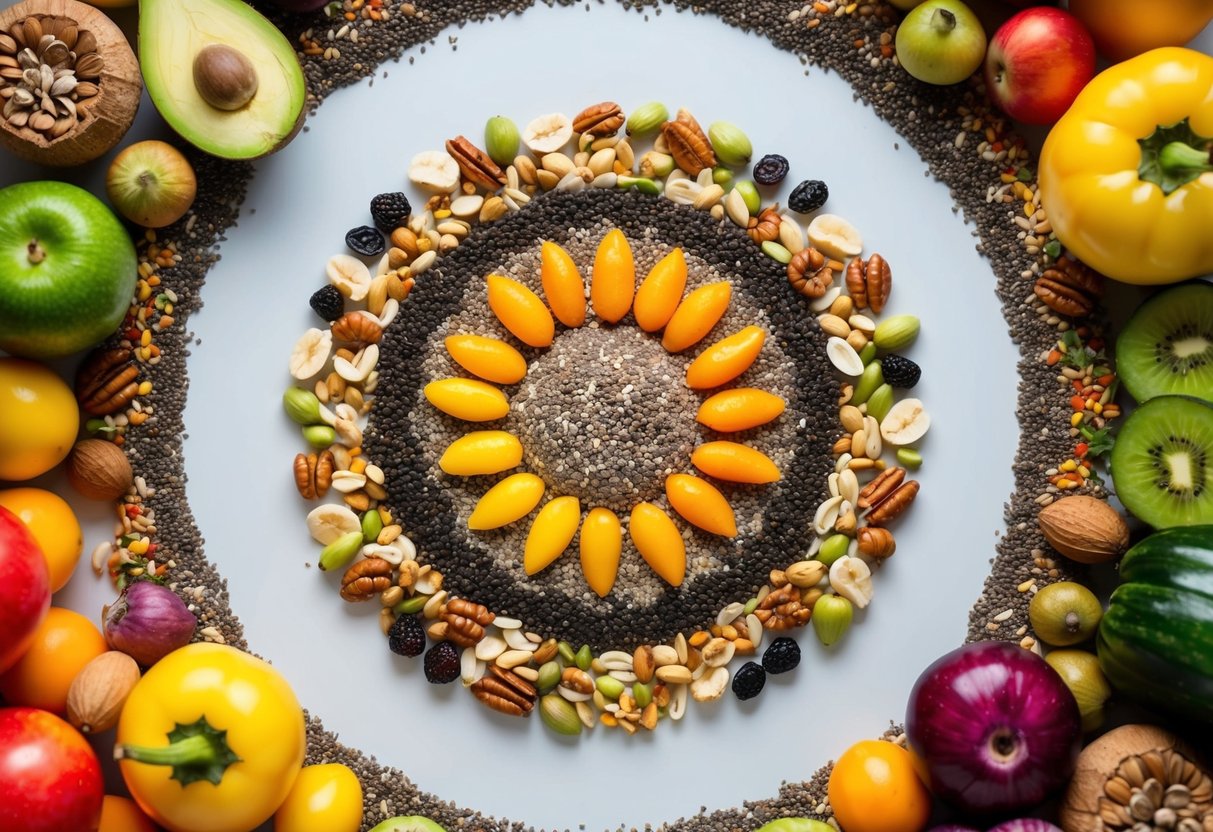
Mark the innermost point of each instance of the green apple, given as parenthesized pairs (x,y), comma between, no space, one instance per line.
(67,269)
(941,42)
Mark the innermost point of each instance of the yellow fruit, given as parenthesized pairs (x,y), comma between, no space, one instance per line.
(327,797)
(54,526)
(696,316)
(601,545)
(735,463)
(614,279)
(741,408)
(562,284)
(700,504)
(726,359)
(660,291)
(511,499)
(38,419)
(467,399)
(521,311)
(551,533)
(482,452)
(488,358)
(659,542)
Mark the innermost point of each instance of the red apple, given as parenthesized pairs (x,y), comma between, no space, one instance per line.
(25,588)
(50,778)
(1037,63)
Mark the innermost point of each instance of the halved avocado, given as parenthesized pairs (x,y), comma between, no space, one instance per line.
(172,33)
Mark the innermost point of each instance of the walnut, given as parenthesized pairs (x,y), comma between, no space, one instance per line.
(782,609)
(766,226)
(365,579)
(809,274)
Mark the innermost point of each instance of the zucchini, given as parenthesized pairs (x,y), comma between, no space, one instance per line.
(1155,642)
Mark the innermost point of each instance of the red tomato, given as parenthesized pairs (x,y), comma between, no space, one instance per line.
(50,779)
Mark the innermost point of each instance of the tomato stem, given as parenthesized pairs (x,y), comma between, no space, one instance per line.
(195,752)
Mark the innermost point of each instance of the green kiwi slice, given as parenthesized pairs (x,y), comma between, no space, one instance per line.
(1167,346)
(1162,462)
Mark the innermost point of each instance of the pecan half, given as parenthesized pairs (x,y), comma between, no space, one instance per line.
(357,328)
(869,283)
(766,226)
(894,504)
(499,696)
(322,476)
(366,579)
(603,119)
(475,164)
(107,381)
(476,612)
(1070,288)
(690,148)
(515,681)
(305,475)
(876,542)
(809,274)
(880,487)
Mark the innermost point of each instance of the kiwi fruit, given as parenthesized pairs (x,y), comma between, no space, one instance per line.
(1162,462)
(1166,348)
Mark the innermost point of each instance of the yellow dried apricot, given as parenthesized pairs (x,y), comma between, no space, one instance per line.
(660,291)
(695,316)
(601,545)
(562,284)
(659,542)
(511,499)
(726,359)
(614,279)
(482,452)
(521,311)
(489,358)
(701,504)
(467,399)
(741,408)
(551,533)
(735,463)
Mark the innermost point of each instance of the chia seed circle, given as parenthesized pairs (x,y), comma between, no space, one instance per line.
(605,416)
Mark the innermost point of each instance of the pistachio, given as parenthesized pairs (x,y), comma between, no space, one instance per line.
(642,693)
(723,177)
(896,333)
(559,714)
(880,402)
(372,525)
(610,686)
(910,458)
(301,405)
(831,618)
(549,676)
(341,551)
(647,118)
(319,436)
(645,186)
(869,380)
(749,193)
(656,165)
(501,138)
(732,146)
(834,547)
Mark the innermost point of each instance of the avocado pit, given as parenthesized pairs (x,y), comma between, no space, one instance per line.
(224,77)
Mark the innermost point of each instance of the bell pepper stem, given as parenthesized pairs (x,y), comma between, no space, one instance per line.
(189,751)
(1180,158)
(1174,155)
(196,751)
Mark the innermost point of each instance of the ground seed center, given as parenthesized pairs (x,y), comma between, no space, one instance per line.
(605,415)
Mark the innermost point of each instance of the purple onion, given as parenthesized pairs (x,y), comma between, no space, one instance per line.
(997,727)
(952,827)
(147,622)
(1025,825)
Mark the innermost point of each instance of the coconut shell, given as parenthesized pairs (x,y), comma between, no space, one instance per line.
(107,115)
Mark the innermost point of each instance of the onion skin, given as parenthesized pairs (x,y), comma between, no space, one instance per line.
(996,726)
(147,622)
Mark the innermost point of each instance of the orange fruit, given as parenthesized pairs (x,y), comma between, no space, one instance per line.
(660,291)
(614,279)
(562,284)
(701,504)
(741,408)
(875,787)
(121,814)
(54,526)
(734,463)
(601,544)
(467,399)
(521,311)
(511,499)
(489,358)
(696,316)
(659,542)
(726,359)
(38,419)
(64,643)
(551,533)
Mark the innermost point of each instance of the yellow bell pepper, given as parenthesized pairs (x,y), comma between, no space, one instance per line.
(1126,175)
(210,740)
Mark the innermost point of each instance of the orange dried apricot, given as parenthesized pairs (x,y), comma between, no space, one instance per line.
(551,533)
(482,452)
(601,545)
(660,291)
(695,316)
(614,279)
(511,499)
(735,463)
(488,358)
(701,504)
(726,359)
(562,284)
(521,311)
(741,408)
(467,399)
(659,542)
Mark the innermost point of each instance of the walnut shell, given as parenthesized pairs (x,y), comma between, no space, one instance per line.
(99,470)
(1084,529)
(99,691)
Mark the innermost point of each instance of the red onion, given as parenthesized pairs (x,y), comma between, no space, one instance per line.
(147,622)
(952,827)
(997,727)
(1025,825)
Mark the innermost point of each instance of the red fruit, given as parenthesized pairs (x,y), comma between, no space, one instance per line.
(1037,63)
(50,779)
(25,589)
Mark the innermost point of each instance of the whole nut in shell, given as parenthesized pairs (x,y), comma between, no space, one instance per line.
(99,470)
(1084,529)
(99,691)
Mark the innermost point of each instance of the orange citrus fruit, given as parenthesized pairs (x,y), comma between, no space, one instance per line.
(613,282)
(54,526)
(562,284)
(121,814)
(875,787)
(64,643)
(38,419)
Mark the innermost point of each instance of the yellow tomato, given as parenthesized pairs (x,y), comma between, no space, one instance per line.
(735,463)
(38,419)
(874,787)
(467,399)
(659,542)
(54,526)
(121,814)
(64,643)
(613,281)
(482,452)
(327,797)
(488,358)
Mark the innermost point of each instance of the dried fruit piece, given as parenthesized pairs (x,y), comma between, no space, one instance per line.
(521,311)
(365,240)
(852,579)
(771,170)
(701,504)
(488,358)
(734,463)
(696,315)
(435,171)
(311,353)
(659,542)
(726,359)
(482,452)
(328,522)
(739,409)
(511,499)
(390,210)
(906,423)
(467,399)
(350,275)
(553,530)
(601,545)
(659,293)
(562,284)
(613,282)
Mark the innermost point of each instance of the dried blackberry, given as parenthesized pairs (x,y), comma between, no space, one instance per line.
(406,637)
(442,663)
(783,655)
(771,169)
(749,681)
(900,371)
(328,303)
(808,196)
(390,211)
(365,240)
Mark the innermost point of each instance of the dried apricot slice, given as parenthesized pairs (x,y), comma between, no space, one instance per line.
(741,408)
(489,358)
(726,359)
(695,316)
(562,284)
(660,291)
(467,399)
(701,504)
(511,499)
(482,452)
(614,279)
(601,544)
(659,542)
(735,463)
(521,311)
(551,533)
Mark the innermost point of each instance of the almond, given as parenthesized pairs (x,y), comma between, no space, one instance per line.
(1084,529)
(99,691)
